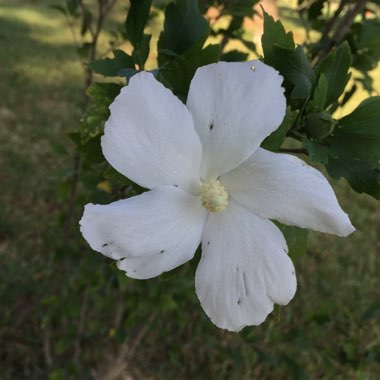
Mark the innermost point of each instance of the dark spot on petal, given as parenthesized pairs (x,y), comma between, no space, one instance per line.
(245,284)
(238,301)
(175,185)
(211,126)
(163,251)
(105,245)
(208,243)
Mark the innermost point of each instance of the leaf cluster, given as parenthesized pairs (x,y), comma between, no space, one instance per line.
(348,147)
(315,87)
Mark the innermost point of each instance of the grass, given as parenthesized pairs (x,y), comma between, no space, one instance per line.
(65,313)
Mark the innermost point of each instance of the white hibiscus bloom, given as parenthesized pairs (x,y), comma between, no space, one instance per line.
(210,182)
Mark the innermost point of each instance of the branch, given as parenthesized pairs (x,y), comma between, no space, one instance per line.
(330,24)
(343,27)
(235,23)
(119,365)
(47,346)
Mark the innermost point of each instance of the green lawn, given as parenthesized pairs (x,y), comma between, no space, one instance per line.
(66,313)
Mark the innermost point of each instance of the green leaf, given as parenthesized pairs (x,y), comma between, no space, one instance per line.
(352,151)
(367,44)
(296,239)
(136,20)
(234,56)
(184,26)
(274,141)
(319,95)
(128,73)
(90,149)
(140,54)
(358,134)
(317,152)
(86,21)
(361,176)
(274,34)
(110,67)
(335,68)
(178,73)
(296,69)
(92,122)
(319,125)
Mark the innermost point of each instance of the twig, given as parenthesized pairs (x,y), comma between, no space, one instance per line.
(331,22)
(47,346)
(103,11)
(227,34)
(81,327)
(117,367)
(341,30)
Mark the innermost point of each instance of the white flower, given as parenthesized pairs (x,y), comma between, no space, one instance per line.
(210,182)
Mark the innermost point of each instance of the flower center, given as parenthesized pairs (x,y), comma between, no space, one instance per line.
(213,196)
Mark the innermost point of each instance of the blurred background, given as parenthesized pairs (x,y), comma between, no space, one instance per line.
(67,313)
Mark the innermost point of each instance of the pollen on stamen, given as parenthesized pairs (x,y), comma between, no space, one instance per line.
(213,196)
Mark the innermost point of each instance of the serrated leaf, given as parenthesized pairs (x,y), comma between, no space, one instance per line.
(184,26)
(361,176)
(358,134)
(319,94)
(177,74)
(110,67)
(317,152)
(353,150)
(274,34)
(335,68)
(136,20)
(296,69)
(274,141)
(92,122)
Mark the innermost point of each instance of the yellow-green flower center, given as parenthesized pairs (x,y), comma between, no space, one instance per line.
(213,196)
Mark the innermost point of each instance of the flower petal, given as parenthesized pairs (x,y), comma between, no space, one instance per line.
(165,222)
(234,108)
(282,187)
(150,137)
(244,269)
